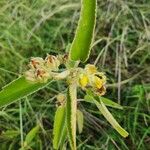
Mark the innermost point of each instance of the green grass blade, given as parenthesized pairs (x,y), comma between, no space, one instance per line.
(71,115)
(31,135)
(59,130)
(103,109)
(18,89)
(9,135)
(80,48)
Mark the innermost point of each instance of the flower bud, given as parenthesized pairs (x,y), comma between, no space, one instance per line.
(52,62)
(90,69)
(36,62)
(30,75)
(61,98)
(42,75)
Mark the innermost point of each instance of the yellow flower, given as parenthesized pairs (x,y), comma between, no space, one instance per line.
(102,76)
(97,82)
(91,78)
(83,80)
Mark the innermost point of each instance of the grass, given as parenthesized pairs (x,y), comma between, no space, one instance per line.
(121,48)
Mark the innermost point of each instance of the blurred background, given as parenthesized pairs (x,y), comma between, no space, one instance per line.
(121,48)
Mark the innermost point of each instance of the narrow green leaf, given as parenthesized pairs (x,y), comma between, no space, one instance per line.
(80,48)
(18,89)
(80,120)
(59,130)
(71,115)
(102,108)
(31,135)
(110,103)
(106,101)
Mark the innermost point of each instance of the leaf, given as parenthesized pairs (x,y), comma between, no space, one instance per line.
(18,89)
(110,103)
(102,108)
(80,48)
(80,121)
(59,130)
(71,115)
(106,101)
(31,135)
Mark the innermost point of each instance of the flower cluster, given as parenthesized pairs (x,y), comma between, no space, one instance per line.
(91,78)
(40,69)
